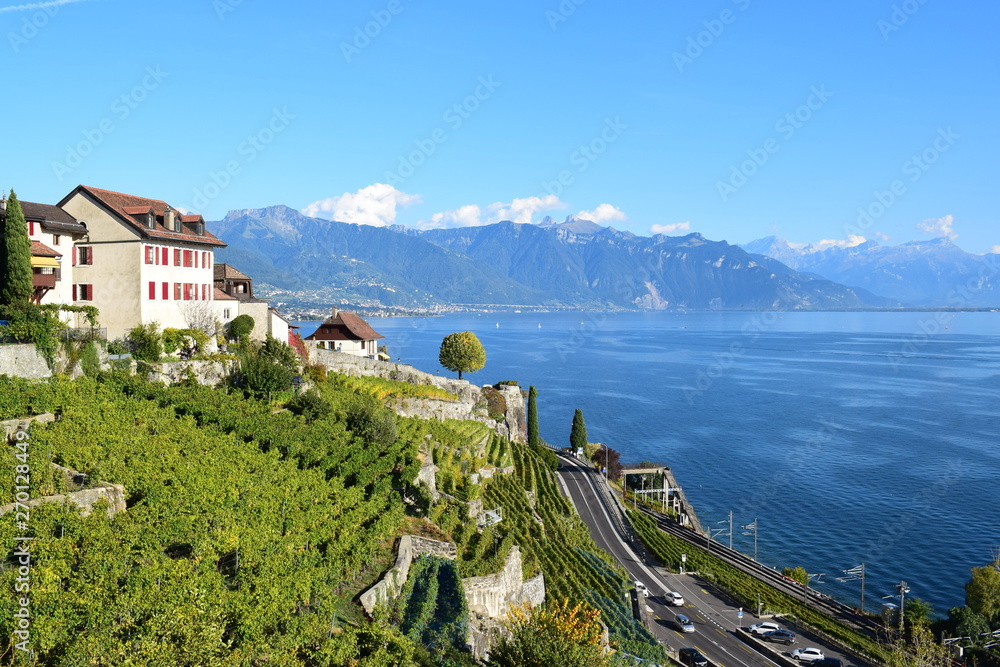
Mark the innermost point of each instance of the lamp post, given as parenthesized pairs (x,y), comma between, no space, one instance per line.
(810,577)
(751,528)
(902,589)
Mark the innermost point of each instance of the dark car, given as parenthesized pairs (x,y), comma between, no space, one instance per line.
(827,662)
(692,657)
(786,637)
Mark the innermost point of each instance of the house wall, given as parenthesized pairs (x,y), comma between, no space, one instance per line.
(63,291)
(258,311)
(277,327)
(358,348)
(170,312)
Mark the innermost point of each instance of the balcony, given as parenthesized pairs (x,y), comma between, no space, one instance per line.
(43,280)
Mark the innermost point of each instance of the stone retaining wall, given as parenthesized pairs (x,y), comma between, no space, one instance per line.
(23,361)
(85,499)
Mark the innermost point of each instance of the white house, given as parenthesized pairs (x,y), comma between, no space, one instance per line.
(346,332)
(141,261)
(53,232)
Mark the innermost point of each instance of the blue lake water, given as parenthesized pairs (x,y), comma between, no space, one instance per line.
(851,437)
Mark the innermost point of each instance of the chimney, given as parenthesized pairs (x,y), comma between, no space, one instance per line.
(168,219)
(335,312)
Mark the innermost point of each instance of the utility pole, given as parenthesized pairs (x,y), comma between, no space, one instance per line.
(752,528)
(854,574)
(902,589)
(730,530)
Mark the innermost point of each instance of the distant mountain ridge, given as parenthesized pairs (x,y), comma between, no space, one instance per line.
(576,263)
(935,273)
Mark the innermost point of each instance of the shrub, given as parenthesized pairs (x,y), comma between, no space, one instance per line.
(280,353)
(310,405)
(241,326)
(372,422)
(260,376)
(179,339)
(146,342)
(496,404)
(90,362)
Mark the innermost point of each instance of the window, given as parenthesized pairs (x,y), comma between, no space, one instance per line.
(177,257)
(166,291)
(31,228)
(187,291)
(84,255)
(187,258)
(152,291)
(204,292)
(165,259)
(56,239)
(83,292)
(150,251)
(225,313)
(177,291)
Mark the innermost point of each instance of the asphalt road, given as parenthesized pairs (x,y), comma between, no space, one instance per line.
(715,618)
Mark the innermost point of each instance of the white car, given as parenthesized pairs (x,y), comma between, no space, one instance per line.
(807,654)
(762,629)
(673,599)
(641,589)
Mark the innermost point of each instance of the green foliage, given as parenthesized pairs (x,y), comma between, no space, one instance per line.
(179,339)
(496,404)
(15,257)
(284,523)
(146,342)
(90,362)
(917,612)
(310,405)
(30,323)
(431,609)
(381,388)
(798,574)
(462,352)
(553,634)
(578,432)
(372,422)
(533,440)
(964,622)
(117,347)
(982,592)
(280,353)
(921,651)
(241,326)
(261,376)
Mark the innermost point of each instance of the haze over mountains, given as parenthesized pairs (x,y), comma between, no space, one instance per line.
(576,264)
(931,273)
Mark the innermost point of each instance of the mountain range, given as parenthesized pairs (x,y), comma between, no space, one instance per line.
(931,273)
(575,264)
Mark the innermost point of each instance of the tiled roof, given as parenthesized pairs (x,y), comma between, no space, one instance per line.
(345,326)
(227,272)
(125,206)
(39,249)
(222,296)
(52,217)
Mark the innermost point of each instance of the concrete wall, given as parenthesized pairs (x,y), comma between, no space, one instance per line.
(85,499)
(410,546)
(205,372)
(23,361)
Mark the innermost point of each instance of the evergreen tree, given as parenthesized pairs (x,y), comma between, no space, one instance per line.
(462,352)
(15,257)
(532,417)
(578,433)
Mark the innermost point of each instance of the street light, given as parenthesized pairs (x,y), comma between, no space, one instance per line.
(902,589)
(854,574)
(752,528)
(810,577)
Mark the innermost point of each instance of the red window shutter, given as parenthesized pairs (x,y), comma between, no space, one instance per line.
(165,259)
(74,289)
(166,291)
(177,291)
(187,291)
(149,255)
(177,257)
(74,264)
(90,254)
(196,260)
(187,258)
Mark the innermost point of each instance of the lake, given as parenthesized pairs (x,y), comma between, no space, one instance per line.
(850,437)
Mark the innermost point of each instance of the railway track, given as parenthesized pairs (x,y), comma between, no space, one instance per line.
(814,599)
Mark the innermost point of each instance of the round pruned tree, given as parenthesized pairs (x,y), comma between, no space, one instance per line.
(462,352)
(15,257)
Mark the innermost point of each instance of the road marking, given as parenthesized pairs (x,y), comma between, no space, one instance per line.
(700,618)
(721,632)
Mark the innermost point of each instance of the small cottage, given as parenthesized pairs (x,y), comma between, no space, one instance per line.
(346,332)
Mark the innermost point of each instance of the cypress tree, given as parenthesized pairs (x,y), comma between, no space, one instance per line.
(532,417)
(578,433)
(15,257)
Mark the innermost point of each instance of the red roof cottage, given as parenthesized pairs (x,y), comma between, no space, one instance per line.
(346,332)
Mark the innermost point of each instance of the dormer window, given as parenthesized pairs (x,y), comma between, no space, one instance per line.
(150,220)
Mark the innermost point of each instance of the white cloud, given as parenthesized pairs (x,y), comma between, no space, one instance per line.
(373,205)
(670,229)
(601,214)
(849,242)
(471,215)
(881,237)
(939,227)
(995,250)
(37,5)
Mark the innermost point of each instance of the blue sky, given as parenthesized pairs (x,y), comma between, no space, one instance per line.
(733,118)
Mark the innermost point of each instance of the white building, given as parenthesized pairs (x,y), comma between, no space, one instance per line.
(348,333)
(142,261)
(53,232)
